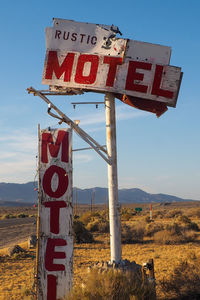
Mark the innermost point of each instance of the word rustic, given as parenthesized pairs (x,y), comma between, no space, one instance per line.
(74,36)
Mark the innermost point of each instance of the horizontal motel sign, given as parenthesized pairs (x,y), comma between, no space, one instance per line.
(90,57)
(55,255)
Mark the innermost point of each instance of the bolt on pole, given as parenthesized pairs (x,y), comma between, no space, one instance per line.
(114,207)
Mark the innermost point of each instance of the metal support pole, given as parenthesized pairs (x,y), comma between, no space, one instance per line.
(151,215)
(114,214)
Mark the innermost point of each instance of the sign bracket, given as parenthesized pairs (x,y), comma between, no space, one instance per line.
(63,118)
(109,155)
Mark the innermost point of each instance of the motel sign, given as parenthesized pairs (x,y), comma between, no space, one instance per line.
(89,57)
(55,210)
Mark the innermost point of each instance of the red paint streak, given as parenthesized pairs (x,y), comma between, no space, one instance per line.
(89,79)
(113,63)
(133,75)
(47,142)
(54,67)
(62,181)
(51,287)
(51,254)
(55,214)
(156,90)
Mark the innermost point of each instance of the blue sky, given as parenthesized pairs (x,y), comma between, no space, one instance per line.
(156,155)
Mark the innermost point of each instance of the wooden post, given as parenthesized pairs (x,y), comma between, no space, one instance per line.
(38,216)
(76,204)
(151,211)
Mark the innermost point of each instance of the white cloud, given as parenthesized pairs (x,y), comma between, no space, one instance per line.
(164,178)
(96,129)
(18,156)
(127,112)
(19,141)
(82,158)
(19,147)
(19,171)
(123,112)
(90,119)
(5,155)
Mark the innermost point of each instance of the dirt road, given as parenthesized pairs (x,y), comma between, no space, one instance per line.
(14,231)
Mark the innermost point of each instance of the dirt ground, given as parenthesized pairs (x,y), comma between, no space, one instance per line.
(15,231)
(16,225)
(17,275)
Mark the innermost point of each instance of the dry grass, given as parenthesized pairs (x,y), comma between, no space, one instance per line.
(112,285)
(184,282)
(17,212)
(16,276)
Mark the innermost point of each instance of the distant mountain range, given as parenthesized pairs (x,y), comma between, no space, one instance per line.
(14,194)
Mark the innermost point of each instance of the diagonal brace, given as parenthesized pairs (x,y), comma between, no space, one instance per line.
(63,118)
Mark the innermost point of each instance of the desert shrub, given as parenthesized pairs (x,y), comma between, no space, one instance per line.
(174,228)
(81,234)
(8,216)
(185,220)
(22,216)
(193,226)
(132,234)
(159,214)
(184,283)
(18,256)
(28,292)
(104,213)
(104,227)
(89,216)
(111,285)
(76,217)
(152,228)
(196,213)
(126,234)
(173,213)
(31,216)
(193,212)
(93,226)
(12,216)
(138,233)
(163,237)
(95,221)
(98,225)
(126,214)
(148,220)
(174,234)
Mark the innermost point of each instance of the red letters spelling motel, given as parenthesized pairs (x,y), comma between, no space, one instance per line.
(107,73)
(55,266)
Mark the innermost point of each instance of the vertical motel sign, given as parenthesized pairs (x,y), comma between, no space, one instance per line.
(55,254)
